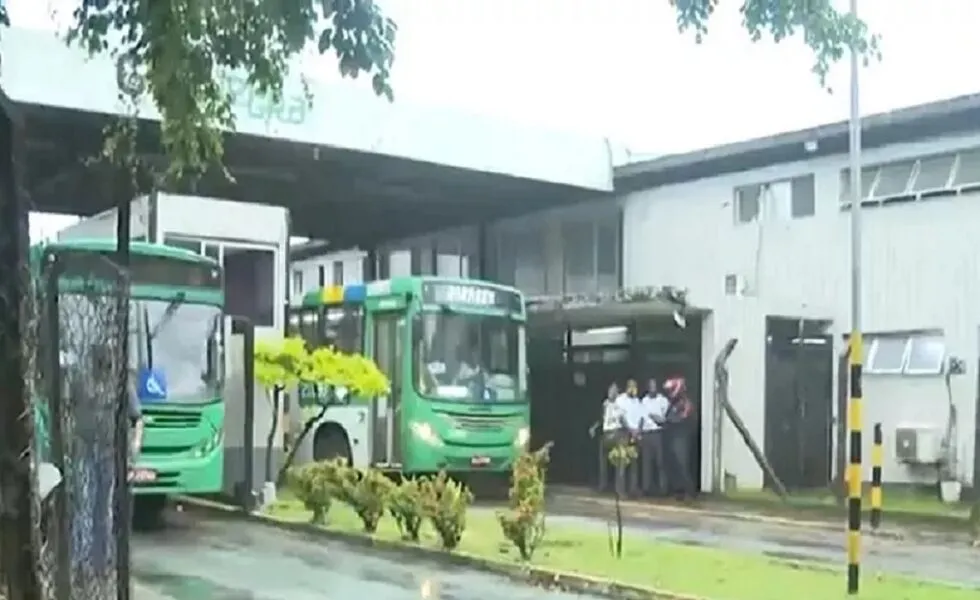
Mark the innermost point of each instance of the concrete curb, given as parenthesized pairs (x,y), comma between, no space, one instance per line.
(640,510)
(526,574)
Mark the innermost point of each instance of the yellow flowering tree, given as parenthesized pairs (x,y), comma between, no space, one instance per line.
(286,363)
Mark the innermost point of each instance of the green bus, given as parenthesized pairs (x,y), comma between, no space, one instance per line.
(176,356)
(455,353)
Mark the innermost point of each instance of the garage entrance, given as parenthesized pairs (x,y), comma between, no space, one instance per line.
(573,356)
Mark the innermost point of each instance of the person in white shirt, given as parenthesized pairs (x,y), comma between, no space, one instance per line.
(612,431)
(632,409)
(654,406)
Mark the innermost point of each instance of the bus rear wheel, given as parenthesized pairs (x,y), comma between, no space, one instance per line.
(331,443)
(148,511)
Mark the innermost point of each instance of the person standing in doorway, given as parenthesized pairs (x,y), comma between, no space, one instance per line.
(612,431)
(679,422)
(653,475)
(632,410)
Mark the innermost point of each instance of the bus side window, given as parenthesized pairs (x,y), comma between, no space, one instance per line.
(309,327)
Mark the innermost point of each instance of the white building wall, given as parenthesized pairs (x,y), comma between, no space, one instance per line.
(214,218)
(921,265)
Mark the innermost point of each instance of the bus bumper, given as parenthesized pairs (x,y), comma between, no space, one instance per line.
(184,475)
(462,458)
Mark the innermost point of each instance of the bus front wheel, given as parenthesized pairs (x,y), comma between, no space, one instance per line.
(148,511)
(331,442)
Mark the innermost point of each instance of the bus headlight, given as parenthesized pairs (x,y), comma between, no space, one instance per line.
(523,437)
(425,433)
(210,445)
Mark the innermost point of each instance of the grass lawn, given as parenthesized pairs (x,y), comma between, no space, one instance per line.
(704,572)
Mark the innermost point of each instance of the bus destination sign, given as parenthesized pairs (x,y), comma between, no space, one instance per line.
(143,269)
(471,295)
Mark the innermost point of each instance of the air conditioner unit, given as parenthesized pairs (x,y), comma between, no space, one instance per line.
(918,444)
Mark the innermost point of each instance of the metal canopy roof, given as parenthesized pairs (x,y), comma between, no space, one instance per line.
(351,168)
(935,119)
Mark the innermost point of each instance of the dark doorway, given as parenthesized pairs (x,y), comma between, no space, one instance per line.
(548,382)
(662,350)
(571,367)
(799,399)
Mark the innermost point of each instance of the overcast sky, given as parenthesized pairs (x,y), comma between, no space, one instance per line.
(618,68)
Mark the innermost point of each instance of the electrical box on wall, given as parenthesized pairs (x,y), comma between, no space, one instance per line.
(918,445)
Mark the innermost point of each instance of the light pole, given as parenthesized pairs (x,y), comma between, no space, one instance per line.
(854,417)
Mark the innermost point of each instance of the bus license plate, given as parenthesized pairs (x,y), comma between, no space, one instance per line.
(480,461)
(143,475)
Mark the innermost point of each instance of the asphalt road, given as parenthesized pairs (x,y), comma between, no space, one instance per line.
(203,559)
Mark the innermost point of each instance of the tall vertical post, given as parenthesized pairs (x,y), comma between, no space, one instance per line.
(18,544)
(856,343)
(877,458)
(123,490)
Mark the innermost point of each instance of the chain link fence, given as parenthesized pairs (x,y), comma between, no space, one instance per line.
(82,370)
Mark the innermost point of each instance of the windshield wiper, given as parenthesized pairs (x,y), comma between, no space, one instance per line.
(168,313)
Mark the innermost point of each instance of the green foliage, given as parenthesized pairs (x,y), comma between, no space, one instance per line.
(286,362)
(445,505)
(406,505)
(524,523)
(367,492)
(313,485)
(622,454)
(825,30)
(179,53)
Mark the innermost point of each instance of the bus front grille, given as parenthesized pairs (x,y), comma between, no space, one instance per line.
(154,419)
(481,423)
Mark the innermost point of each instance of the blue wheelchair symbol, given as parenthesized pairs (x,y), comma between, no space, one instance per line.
(152,386)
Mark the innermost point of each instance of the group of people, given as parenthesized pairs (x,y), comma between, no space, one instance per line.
(660,424)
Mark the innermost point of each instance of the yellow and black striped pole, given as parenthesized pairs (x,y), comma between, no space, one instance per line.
(877,456)
(854,467)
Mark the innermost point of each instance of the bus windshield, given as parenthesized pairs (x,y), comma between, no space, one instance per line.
(182,341)
(470,357)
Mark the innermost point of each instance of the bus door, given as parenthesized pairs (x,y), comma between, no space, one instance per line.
(388,341)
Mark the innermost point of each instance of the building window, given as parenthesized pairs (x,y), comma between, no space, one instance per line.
(748,201)
(579,252)
(250,283)
(777,200)
(918,353)
(297,282)
(590,254)
(607,255)
(338,272)
(520,260)
(212,251)
(915,179)
(184,243)
(321,275)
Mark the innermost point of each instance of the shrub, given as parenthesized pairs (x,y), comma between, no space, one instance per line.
(368,493)
(407,507)
(524,521)
(311,485)
(445,503)
(620,456)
